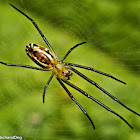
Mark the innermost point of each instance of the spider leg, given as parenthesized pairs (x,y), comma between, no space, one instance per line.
(42,35)
(24,66)
(45,88)
(71,96)
(71,50)
(95,100)
(95,84)
(92,69)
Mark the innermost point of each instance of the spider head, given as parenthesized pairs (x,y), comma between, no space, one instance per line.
(67,73)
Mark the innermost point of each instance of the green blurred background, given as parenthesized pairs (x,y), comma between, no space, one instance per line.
(112,31)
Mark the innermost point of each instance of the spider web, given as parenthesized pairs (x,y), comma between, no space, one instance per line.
(112,46)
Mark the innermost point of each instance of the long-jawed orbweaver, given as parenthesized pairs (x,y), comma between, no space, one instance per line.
(47,59)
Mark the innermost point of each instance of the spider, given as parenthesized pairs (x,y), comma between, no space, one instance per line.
(48,61)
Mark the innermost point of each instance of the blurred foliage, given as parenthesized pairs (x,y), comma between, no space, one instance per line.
(111,29)
(107,24)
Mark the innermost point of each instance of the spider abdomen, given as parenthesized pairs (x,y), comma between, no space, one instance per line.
(40,55)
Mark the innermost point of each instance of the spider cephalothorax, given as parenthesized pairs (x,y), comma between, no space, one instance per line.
(47,60)
(62,71)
